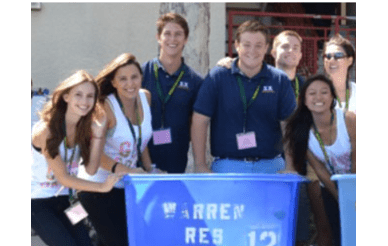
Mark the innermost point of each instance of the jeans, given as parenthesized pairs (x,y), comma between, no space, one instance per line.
(262,166)
(50,222)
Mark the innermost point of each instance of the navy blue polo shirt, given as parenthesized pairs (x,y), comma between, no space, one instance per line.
(172,157)
(219,98)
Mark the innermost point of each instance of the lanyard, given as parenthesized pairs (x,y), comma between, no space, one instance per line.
(163,99)
(296,88)
(68,164)
(244,99)
(346,96)
(321,144)
(139,162)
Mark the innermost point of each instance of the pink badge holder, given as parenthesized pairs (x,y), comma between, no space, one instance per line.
(162,136)
(76,213)
(246,140)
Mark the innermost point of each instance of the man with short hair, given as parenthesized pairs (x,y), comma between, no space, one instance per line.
(247,105)
(174,87)
(287,52)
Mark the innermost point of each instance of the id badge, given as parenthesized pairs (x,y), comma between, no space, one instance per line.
(76,213)
(162,136)
(246,140)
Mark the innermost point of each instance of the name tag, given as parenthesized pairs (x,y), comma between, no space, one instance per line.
(246,140)
(162,136)
(76,213)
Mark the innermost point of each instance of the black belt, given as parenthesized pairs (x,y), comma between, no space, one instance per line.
(247,159)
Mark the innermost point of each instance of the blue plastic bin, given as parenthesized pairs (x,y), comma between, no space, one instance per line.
(212,209)
(347,207)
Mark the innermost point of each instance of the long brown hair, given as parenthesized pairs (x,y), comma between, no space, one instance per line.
(300,122)
(105,77)
(54,115)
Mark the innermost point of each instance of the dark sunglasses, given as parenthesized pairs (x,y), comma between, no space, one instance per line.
(336,55)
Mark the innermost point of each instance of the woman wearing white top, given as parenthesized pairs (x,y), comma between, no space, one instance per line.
(339,58)
(127,134)
(326,138)
(70,128)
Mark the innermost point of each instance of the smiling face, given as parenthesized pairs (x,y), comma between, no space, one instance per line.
(318,97)
(127,81)
(288,52)
(172,40)
(251,50)
(336,68)
(80,99)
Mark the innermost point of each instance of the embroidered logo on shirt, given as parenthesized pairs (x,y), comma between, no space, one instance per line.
(268,89)
(183,85)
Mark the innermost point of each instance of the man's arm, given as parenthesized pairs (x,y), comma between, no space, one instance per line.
(199,127)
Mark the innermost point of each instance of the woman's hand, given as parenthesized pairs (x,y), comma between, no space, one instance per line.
(225,62)
(111,180)
(137,170)
(156,170)
(288,171)
(99,126)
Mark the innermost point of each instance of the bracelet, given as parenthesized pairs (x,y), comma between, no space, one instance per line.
(114,167)
(97,137)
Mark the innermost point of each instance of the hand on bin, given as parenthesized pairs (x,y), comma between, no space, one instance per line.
(156,170)
(110,181)
(226,62)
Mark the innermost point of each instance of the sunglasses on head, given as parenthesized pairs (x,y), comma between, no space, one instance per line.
(336,55)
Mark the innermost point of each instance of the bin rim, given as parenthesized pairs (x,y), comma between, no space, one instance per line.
(343,176)
(218,176)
